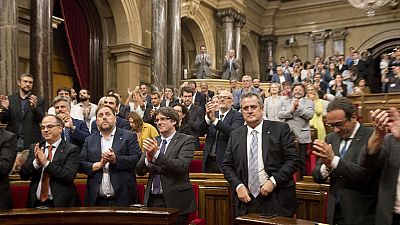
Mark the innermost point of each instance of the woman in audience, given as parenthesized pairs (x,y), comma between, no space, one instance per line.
(135,101)
(361,87)
(307,72)
(331,72)
(273,103)
(338,88)
(183,112)
(296,75)
(383,66)
(143,130)
(317,121)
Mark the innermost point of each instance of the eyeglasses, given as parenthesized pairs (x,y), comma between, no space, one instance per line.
(162,119)
(49,126)
(338,125)
(224,97)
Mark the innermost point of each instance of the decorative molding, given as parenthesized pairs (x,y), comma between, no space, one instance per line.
(268,39)
(227,15)
(240,19)
(319,36)
(338,34)
(192,7)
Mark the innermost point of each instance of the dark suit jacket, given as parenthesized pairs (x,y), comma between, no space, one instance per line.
(147,118)
(80,133)
(280,161)
(62,170)
(121,124)
(122,174)
(8,151)
(196,115)
(351,185)
(387,164)
(200,98)
(173,168)
(163,102)
(232,121)
(275,78)
(30,119)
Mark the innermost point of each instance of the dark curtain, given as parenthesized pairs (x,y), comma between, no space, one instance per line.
(77,30)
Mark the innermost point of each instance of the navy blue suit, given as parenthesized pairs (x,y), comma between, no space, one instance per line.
(121,123)
(122,173)
(232,121)
(275,78)
(80,133)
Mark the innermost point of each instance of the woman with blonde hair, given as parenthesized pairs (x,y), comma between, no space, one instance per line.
(317,121)
(143,130)
(273,103)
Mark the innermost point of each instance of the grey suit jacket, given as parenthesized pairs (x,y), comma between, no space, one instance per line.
(299,120)
(203,66)
(8,151)
(173,168)
(230,72)
(387,164)
(353,187)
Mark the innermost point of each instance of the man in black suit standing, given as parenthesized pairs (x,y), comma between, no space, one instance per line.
(259,163)
(8,151)
(167,159)
(148,115)
(382,156)
(196,113)
(218,126)
(353,189)
(109,159)
(169,99)
(23,113)
(198,98)
(75,131)
(52,166)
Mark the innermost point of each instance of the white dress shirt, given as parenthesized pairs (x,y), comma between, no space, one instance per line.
(106,188)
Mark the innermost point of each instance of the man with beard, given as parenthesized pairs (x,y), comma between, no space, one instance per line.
(109,159)
(297,112)
(88,108)
(23,112)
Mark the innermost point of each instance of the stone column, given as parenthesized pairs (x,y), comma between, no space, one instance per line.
(240,20)
(268,43)
(174,43)
(338,37)
(319,42)
(8,46)
(227,20)
(41,43)
(159,43)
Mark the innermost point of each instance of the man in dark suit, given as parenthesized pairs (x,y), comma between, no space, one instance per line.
(353,189)
(75,131)
(8,151)
(109,158)
(113,102)
(218,126)
(196,113)
(382,156)
(23,112)
(52,166)
(259,163)
(167,159)
(204,89)
(169,99)
(148,116)
(145,95)
(198,98)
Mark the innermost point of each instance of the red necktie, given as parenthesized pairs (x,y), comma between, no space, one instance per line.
(44,192)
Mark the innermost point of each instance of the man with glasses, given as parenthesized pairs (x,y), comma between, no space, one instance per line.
(353,189)
(259,163)
(166,159)
(109,159)
(218,125)
(51,166)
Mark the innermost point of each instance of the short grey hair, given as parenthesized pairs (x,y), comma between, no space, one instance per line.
(58,99)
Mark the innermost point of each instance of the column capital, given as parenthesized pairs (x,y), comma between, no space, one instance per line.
(227,15)
(240,19)
(319,36)
(338,34)
(268,39)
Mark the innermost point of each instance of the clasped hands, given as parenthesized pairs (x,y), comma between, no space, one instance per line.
(40,157)
(106,157)
(150,145)
(244,193)
(324,151)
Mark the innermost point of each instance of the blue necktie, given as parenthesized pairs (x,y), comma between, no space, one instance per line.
(67,135)
(254,183)
(344,149)
(157,178)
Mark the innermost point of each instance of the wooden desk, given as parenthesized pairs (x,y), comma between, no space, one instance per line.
(279,220)
(89,215)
